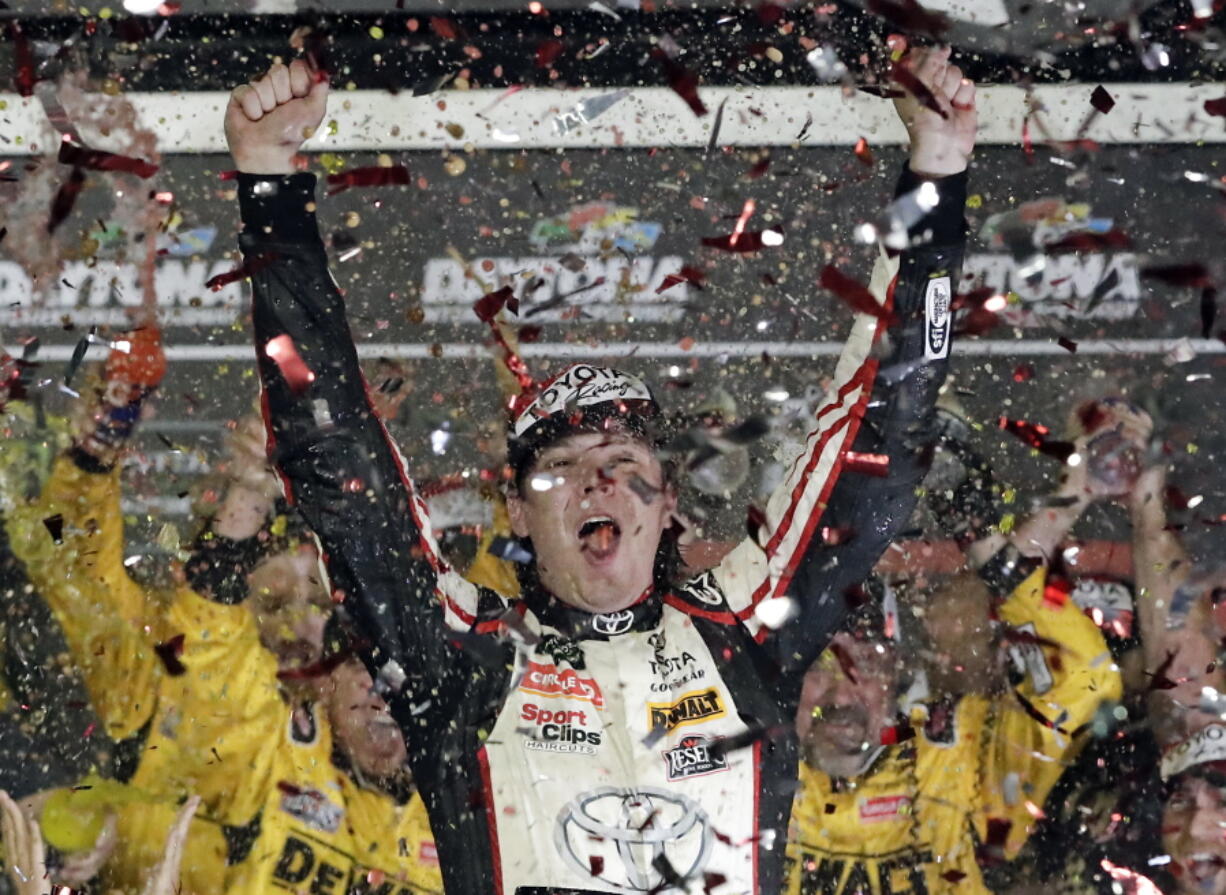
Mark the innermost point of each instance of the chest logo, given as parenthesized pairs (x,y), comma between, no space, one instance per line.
(551,682)
(628,839)
(879,808)
(693,757)
(612,623)
(311,807)
(692,708)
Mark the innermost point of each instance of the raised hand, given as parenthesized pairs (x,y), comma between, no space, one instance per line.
(24,854)
(937,107)
(270,118)
(164,878)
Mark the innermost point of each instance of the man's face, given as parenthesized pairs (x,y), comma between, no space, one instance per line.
(1194,833)
(361,723)
(291,606)
(841,719)
(595,536)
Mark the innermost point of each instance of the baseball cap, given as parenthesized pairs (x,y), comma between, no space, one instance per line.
(582,398)
(1206,747)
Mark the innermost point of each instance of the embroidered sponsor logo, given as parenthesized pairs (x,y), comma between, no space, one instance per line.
(550,682)
(558,730)
(879,808)
(427,853)
(692,708)
(645,838)
(311,807)
(705,590)
(610,623)
(677,671)
(692,757)
(937,319)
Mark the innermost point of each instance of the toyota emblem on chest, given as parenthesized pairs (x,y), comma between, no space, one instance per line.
(609,623)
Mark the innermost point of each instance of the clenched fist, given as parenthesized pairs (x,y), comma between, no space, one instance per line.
(937,107)
(270,118)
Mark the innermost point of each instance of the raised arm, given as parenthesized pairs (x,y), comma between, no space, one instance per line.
(1174,609)
(335,457)
(854,487)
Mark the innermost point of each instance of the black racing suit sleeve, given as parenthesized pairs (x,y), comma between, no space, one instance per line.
(865,512)
(337,461)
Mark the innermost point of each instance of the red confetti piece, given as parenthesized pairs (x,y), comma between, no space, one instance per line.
(854,294)
(953,876)
(1192,275)
(1102,101)
(595,864)
(906,79)
(396,175)
(1067,344)
(1159,680)
(529,334)
(1036,436)
(1216,107)
(487,306)
(833,536)
(98,160)
(282,351)
(1089,242)
(24,78)
(746,213)
(682,81)
(169,652)
(65,199)
(1023,373)
(1027,140)
(548,51)
(863,153)
(242,272)
(769,13)
(752,241)
(992,849)
(899,733)
(444,28)
(877,465)
(759,168)
(1092,417)
(1056,593)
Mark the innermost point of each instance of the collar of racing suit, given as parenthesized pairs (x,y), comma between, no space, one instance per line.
(578,624)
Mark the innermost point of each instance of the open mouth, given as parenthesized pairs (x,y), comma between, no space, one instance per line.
(1203,867)
(599,536)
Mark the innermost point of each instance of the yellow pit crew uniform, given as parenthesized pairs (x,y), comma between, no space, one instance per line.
(191,675)
(971,780)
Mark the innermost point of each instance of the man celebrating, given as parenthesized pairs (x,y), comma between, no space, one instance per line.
(611,731)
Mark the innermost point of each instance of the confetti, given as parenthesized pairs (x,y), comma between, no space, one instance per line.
(1216,107)
(55,527)
(487,306)
(548,51)
(65,199)
(863,153)
(855,295)
(716,125)
(509,549)
(681,80)
(876,465)
(1036,436)
(169,652)
(753,241)
(1192,275)
(394,175)
(282,351)
(97,160)
(1102,101)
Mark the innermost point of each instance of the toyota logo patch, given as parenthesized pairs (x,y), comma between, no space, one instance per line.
(609,623)
(629,833)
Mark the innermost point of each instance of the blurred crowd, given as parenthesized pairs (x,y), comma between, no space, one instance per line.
(1009,709)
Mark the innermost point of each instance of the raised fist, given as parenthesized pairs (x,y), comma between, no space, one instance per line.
(937,107)
(270,118)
